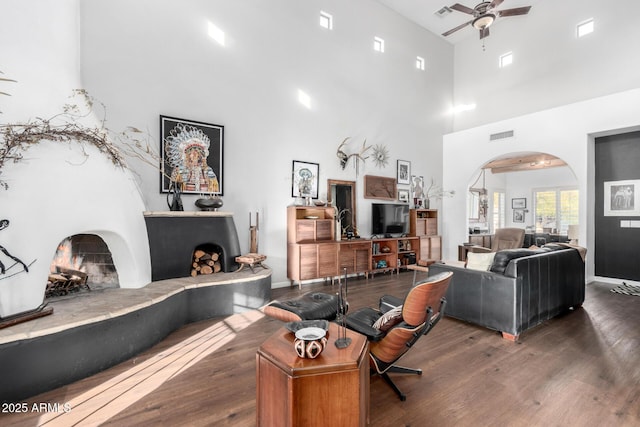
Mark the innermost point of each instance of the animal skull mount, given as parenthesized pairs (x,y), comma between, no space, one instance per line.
(344,157)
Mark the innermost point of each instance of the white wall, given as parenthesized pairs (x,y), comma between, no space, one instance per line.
(566,132)
(551,67)
(147,58)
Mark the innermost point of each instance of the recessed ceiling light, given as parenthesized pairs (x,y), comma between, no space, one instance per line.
(420,63)
(463,107)
(304,98)
(506,59)
(585,28)
(326,20)
(378,44)
(217,34)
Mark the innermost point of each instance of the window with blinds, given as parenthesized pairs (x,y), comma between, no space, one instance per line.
(555,209)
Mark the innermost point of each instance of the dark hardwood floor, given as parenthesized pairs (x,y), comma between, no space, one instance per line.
(580,369)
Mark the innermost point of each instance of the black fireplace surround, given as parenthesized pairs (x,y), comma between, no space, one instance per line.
(173,236)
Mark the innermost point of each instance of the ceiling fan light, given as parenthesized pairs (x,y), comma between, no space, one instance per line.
(483,21)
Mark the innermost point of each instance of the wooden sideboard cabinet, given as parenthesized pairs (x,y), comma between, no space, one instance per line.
(312,251)
(423,223)
(483,240)
(355,256)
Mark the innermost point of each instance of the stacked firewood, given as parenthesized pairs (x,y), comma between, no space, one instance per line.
(205,263)
(65,281)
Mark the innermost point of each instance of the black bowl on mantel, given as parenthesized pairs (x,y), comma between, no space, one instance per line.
(209,203)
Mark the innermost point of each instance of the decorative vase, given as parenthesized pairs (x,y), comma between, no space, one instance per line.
(175,204)
(338,230)
(209,203)
(426,203)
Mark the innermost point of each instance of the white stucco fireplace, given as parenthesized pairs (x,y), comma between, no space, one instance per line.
(60,190)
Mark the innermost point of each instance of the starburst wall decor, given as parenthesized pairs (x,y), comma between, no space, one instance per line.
(381,156)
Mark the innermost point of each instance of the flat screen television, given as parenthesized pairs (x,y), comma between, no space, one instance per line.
(389,219)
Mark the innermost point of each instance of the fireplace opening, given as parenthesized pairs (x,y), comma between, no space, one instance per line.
(82,262)
(207,259)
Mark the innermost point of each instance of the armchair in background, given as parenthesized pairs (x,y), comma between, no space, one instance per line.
(397,324)
(504,238)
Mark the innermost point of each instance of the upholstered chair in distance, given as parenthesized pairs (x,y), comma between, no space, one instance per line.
(395,327)
(504,238)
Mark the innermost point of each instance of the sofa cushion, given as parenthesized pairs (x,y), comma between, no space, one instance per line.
(504,257)
(480,261)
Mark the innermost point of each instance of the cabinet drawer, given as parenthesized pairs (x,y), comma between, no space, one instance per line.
(305,230)
(308,262)
(324,229)
(327,260)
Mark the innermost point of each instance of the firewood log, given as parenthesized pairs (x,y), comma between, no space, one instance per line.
(206,270)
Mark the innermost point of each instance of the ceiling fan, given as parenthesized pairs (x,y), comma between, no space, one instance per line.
(484,14)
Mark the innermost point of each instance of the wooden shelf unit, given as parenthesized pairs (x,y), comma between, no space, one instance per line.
(310,224)
(312,251)
(423,223)
(396,252)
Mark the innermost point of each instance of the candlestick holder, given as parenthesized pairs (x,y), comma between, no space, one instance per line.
(343,341)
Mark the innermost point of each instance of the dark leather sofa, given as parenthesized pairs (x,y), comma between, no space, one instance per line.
(523,288)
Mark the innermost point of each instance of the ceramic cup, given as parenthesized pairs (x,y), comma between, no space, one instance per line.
(309,349)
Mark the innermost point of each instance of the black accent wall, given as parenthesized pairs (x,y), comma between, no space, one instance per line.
(617,253)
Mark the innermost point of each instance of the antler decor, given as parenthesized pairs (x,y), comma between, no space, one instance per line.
(344,157)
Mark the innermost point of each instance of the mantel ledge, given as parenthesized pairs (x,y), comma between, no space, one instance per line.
(184,214)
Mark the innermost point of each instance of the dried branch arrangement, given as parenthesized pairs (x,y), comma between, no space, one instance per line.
(66,127)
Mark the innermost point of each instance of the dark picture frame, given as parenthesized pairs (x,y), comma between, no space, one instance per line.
(518,215)
(519,203)
(191,153)
(622,198)
(404,172)
(305,179)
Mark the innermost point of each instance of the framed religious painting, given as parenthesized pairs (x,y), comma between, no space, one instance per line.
(191,156)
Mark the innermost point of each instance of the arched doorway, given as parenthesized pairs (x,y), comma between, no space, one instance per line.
(534,191)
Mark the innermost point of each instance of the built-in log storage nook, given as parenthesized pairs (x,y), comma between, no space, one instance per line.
(314,250)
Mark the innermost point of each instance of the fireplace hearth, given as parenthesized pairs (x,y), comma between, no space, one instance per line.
(174,236)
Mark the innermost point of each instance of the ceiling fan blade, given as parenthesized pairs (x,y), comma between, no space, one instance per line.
(459,27)
(515,11)
(462,8)
(495,3)
(484,33)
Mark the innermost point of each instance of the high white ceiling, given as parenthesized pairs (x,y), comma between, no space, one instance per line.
(423,12)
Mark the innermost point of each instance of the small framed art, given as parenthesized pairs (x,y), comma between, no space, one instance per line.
(519,203)
(404,172)
(305,179)
(518,215)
